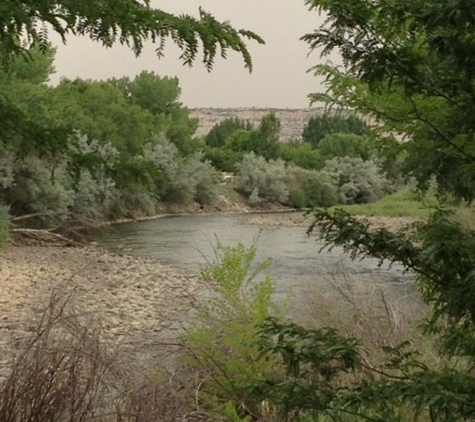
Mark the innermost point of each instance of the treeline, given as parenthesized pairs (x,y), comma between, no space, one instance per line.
(95,149)
(123,147)
(337,162)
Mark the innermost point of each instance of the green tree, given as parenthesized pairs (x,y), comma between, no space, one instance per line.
(302,155)
(320,126)
(344,145)
(127,22)
(266,139)
(412,73)
(408,65)
(221,131)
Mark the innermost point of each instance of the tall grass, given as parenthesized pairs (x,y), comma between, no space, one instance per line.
(400,204)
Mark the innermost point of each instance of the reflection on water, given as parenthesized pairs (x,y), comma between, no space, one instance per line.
(190,241)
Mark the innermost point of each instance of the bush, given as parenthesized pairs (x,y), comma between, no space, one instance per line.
(358,181)
(41,186)
(301,154)
(310,189)
(219,339)
(262,180)
(4,225)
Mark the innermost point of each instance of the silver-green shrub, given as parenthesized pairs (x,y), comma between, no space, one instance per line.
(42,186)
(358,181)
(262,180)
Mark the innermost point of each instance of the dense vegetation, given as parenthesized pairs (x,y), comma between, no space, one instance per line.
(408,66)
(102,150)
(95,150)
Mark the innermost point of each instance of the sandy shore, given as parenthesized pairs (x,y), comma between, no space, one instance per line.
(136,301)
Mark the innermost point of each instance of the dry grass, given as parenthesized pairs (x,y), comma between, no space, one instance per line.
(68,370)
(377,314)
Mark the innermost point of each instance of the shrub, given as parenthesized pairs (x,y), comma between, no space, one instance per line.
(219,339)
(262,180)
(4,225)
(310,189)
(41,186)
(94,198)
(301,154)
(358,181)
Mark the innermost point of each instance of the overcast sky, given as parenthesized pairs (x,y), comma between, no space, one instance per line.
(279,79)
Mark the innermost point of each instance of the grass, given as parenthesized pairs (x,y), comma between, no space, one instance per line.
(400,204)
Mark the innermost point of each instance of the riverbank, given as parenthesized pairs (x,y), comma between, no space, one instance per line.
(135,301)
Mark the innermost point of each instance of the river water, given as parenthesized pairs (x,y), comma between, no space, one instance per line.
(189,242)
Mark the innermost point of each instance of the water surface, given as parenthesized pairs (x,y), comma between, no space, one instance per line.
(188,242)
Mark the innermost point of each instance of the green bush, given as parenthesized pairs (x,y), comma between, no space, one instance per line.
(219,338)
(310,189)
(262,180)
(4,225)
(301,154)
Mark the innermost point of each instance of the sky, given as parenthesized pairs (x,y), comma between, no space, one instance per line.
(280,78)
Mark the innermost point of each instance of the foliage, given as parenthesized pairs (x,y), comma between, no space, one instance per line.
(221,131)
(95,149)
(262,141)
(405,203)
(127,22)
(262,180)
(4,225)
(358,181)
(219,338)
(310,188)
(412,74)
(407,65)
(344,145)
(160,97)
(301,154)
(320,126)
(195,180)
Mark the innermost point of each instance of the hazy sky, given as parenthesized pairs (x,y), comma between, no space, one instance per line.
(279,79)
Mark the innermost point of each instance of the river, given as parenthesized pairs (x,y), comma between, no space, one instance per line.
(298,261)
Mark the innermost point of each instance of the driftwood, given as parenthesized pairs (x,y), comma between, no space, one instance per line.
(42,235)
(68,229)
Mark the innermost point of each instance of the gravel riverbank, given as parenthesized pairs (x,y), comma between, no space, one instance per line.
(135,301)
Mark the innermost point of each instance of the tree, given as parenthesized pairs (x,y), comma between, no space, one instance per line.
(220,132)
(344,145)
(128,22)
(320,126)
(160,96)
(409,66)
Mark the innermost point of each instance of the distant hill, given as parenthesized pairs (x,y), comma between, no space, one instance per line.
(292,121)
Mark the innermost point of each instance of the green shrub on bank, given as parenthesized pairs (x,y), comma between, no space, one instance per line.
(308,188)
(358,181)
(4,225)
(262,180)
(219,338)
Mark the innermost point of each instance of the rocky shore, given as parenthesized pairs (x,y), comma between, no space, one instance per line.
(136,302)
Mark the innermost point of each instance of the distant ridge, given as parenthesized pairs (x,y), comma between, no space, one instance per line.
(292,121)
